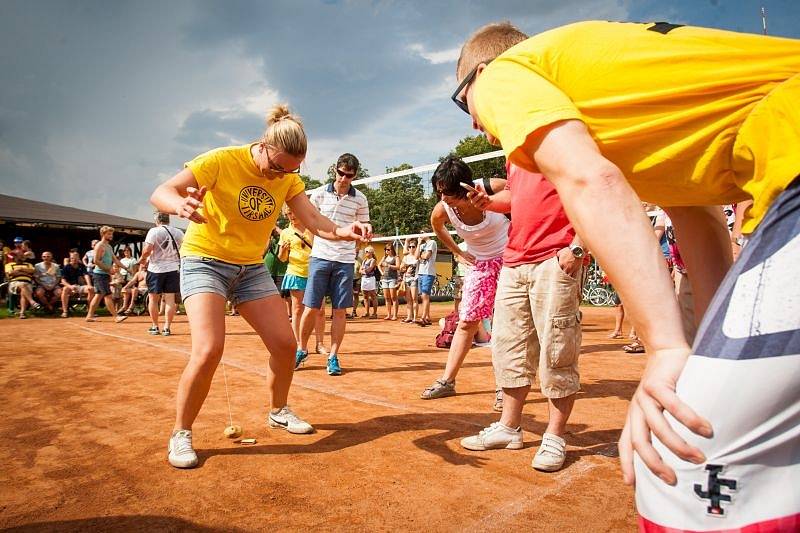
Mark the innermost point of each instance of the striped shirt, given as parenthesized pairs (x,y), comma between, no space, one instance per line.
(344,210)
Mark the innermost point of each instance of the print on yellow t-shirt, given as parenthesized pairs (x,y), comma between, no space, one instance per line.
(240,206)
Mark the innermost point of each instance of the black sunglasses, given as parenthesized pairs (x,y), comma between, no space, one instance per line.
(348,175)
(462,104)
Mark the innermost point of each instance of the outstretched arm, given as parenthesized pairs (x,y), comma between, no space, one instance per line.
(322,226)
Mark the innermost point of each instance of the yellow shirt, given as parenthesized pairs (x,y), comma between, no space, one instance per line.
(241,206)
(299,251)
(664,106)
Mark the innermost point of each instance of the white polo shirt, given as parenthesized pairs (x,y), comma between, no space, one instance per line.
(344,210)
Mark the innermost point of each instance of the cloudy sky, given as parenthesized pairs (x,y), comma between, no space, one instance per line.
(101,100)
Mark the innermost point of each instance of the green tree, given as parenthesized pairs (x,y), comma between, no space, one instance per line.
(475,145)
(399,204)
(310,182)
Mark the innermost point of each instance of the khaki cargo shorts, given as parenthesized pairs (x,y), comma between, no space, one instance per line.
(537,326)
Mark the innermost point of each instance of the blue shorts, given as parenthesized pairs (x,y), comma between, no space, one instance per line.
(294,283)
(237,283)
(425,283)
(329,278)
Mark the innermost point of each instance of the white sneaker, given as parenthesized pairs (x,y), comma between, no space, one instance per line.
(551,453)
(495,436)
(286,419)
(179,451)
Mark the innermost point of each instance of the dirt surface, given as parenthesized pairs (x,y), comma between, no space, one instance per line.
(88,408)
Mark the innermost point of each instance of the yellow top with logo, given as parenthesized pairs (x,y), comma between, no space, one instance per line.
(240,206)
(299,250)
(665,103)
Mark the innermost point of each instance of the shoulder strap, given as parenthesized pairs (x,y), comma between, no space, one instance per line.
(174,244)
(487,186)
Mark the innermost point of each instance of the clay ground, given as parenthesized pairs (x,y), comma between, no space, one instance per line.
(87,410)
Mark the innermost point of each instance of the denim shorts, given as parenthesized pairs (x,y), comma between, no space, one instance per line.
(237,283)
(425,283)
(329,278)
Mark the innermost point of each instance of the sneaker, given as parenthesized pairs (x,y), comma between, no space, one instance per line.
(333,366)
(440,389)
(551,453)
(286,419)
(179,451)
(299,357)
(153,330)
(495,436)
(481,344)
(166,332)
(498,401)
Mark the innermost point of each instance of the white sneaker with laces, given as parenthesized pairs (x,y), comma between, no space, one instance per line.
(286,419)
(179,451)
(495,436)
(551,453)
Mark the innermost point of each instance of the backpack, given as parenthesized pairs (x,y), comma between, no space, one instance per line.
(445,337)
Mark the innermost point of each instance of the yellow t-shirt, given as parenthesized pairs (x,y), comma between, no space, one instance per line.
(299,251)
(663,103)
(241,206)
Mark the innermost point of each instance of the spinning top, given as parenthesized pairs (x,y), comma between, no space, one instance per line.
(233,432)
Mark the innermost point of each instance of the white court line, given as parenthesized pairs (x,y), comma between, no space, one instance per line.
(505,513)
(309,386)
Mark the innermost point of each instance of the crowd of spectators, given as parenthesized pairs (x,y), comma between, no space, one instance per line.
(80,283)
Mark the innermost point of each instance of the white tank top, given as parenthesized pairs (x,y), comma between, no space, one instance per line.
(486,239)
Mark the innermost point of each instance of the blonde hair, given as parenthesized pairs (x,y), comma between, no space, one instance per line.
(104,229)
(285,131)
(369,250)
(487,43)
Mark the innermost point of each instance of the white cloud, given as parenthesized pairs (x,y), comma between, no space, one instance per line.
(438,57)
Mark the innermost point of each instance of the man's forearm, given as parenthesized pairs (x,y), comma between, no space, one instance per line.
(500,202)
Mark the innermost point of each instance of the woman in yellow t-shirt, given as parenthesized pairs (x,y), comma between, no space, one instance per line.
(295,247)
(232,197)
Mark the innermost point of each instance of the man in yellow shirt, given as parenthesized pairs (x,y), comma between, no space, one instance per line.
(688,118)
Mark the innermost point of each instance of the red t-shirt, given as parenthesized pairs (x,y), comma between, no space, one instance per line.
(539,226)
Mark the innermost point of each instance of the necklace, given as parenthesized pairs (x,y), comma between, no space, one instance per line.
(460,215)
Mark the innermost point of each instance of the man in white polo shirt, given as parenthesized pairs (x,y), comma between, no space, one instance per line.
(330,270)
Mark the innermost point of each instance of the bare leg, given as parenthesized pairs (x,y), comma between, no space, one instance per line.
(153,302)
(112,308)
(297,313)
(307,322)
(559,410)
(338,325)
(619,317)
(387,300)
(206,312)
(319,329)
(169,303)
(462,342)
(513,401)
(95,301)
(267,318)
(65,294)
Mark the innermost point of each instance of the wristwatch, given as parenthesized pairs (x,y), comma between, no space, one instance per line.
(577,250)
